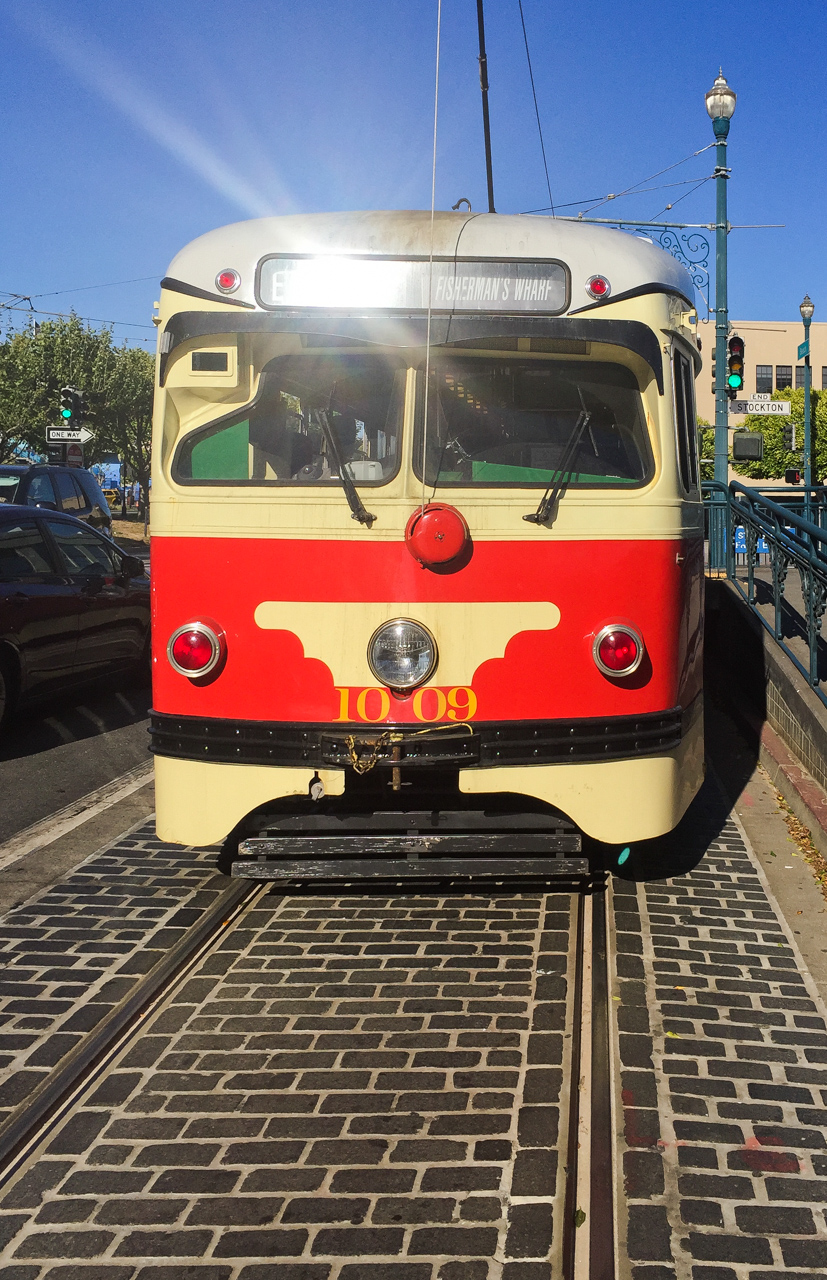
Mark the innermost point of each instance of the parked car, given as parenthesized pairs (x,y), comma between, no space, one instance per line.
(56,488)
(73,606)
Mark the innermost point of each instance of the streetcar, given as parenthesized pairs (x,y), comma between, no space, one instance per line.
(427,541)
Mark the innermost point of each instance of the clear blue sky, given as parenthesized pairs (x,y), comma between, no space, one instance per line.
(129,129)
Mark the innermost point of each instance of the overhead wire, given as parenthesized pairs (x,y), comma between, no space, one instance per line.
(536,108)
(431,258)
(632,190)
(667,207)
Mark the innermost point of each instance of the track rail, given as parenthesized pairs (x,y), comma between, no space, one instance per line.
(587,1245)
(31,1122)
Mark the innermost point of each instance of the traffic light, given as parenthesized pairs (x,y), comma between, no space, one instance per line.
(67,404)
(792,476)
(81,407)
(714,373)
(735,367)
(789,436)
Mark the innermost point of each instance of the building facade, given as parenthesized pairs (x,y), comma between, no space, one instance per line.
(770,360)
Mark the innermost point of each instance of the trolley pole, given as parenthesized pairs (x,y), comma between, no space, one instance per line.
(720,104)
(486,125)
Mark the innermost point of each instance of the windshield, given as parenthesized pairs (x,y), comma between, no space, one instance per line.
(508,422)
(284,436)
(8,487)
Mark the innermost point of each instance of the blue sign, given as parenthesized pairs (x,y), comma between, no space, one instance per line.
(762,546)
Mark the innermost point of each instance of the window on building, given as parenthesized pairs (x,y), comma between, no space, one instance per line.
(799,375)
(783,376)
(824,377)
(763,378)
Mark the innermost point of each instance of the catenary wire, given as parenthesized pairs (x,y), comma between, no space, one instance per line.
(665,209)
(536,108)
(632,190)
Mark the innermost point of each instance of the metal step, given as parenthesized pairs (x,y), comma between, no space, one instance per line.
(501,855)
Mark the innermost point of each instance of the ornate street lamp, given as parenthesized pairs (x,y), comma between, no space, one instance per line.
(720,104)
(807,308)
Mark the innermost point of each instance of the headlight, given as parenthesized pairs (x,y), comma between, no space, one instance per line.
(402,654)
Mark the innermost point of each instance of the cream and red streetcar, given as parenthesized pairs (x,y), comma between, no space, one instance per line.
(426,543)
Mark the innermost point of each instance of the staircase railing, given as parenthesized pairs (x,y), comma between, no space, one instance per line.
(790,541)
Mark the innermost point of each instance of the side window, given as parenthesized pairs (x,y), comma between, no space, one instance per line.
(686,430)
(90,487)
(84,551)
(40,490)
(24,556)
(67,491)
(84,504)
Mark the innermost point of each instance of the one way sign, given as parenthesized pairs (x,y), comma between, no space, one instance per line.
(56,435)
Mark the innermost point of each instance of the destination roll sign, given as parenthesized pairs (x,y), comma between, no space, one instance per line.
(395,284)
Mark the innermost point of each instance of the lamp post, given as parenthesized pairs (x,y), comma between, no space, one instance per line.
(720,105)
(807,308)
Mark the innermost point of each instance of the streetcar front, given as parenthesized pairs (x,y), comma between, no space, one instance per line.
(427,537)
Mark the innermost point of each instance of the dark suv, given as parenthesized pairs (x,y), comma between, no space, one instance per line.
(69,489)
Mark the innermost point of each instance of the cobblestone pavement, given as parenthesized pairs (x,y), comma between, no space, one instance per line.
(376,1089)
(67,957)
(344,1080)
(723,1046)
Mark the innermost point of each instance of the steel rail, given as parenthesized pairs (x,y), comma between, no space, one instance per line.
(35,1118)
(588,1244)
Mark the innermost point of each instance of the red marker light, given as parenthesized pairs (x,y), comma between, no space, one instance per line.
(195,649)
(618,651)
(598,287)
(228,280)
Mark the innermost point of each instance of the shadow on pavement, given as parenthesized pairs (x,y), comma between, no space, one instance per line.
(85,713)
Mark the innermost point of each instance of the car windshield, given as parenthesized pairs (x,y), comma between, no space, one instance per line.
(508,421)
(285,435)
(8,487)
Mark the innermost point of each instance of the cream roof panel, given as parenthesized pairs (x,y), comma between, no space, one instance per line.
(629,262)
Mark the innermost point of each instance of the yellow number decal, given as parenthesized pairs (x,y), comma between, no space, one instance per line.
(344,703)
(441,704)
(362,705)
(463,704)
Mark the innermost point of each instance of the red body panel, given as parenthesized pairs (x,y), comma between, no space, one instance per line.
(544,675)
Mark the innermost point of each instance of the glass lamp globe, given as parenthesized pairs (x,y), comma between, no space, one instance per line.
(720,101)
(807,308)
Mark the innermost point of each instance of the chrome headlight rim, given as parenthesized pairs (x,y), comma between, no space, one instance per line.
(203,629)
(421,680)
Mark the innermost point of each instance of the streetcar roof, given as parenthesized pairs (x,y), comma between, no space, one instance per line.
(631,263)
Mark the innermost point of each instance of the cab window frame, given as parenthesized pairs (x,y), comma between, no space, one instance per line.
(647,454)
(401,364)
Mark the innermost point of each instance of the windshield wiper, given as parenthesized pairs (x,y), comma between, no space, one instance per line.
(357,507)
(551,496)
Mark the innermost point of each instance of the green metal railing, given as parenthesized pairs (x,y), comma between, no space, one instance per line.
(792,542)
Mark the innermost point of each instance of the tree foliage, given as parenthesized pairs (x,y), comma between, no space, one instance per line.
(777,459)
(117,382)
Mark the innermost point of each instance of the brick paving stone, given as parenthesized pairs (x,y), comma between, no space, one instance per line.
(363,1088)
(723,1176)
(132,901)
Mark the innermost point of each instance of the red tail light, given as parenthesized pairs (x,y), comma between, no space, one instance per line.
(195,649)
(618,650)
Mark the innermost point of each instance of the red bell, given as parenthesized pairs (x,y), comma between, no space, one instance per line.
(436,535)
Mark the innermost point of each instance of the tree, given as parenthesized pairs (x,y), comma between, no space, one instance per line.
(706,449)
(117,382)
(777,459)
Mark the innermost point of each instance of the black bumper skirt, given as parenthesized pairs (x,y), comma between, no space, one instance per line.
(483,745)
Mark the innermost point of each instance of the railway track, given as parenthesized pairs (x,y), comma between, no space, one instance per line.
(579,1198)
